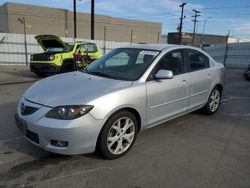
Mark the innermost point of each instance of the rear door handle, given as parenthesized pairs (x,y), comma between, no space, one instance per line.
(209,76)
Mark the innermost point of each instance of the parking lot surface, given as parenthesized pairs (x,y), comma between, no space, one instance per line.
(195,150)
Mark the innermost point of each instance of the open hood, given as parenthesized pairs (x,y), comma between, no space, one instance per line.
(50,41)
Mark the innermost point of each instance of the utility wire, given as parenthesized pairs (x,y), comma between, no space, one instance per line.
(228,7)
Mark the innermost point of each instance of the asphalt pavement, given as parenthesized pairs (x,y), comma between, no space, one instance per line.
(195,150)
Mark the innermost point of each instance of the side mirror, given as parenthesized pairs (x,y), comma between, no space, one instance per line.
(164,74)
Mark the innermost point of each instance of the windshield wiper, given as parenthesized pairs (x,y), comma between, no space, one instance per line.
(99,74)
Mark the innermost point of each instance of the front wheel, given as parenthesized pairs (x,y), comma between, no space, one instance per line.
(246,78)
(39,74)
(118,135)
(213,102)
(68,66)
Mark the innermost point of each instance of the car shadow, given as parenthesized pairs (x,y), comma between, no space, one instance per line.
(13,141)
(22,73)
(11,138)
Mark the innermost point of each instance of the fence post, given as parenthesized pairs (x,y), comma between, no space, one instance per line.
(225,55)
(25,42)
(226,49)
(104,42)
(131,37)
(158,38)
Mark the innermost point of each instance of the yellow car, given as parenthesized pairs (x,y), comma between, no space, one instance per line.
(59,56)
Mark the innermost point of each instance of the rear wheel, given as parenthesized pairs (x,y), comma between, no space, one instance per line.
(213,102)
(118,135)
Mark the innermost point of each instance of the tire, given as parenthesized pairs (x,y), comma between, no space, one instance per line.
(114,140)
(68,66)
(246,78)
(213,102)
(39,74)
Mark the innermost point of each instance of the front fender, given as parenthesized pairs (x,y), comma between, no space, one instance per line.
(133,97)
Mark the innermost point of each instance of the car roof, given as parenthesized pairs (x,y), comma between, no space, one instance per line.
(83,42)
(158,47)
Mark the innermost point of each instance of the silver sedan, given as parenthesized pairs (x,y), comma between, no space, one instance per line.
(126,91)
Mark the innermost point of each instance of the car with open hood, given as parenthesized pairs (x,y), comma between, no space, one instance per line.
(58,56)
(128,90)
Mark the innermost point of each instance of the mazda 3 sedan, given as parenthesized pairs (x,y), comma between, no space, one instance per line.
(126,91)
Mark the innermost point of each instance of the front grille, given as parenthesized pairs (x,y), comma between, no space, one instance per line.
(27,110)
(32,136)
(41,57)
(42,67)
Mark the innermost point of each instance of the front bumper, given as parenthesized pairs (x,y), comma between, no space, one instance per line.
(44,68)
(81,134)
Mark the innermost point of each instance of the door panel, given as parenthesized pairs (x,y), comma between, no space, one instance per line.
(201,81)
(200,77)
(167,98)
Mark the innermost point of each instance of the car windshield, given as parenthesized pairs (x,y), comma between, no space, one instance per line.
(123,63)
(66,49)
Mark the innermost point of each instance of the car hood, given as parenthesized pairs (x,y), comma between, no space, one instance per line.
(72,89)
(50,41)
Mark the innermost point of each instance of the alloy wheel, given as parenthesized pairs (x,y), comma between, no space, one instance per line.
(214,101)
(121,135)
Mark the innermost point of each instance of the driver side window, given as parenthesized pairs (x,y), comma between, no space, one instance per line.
(173,61)
(91,48)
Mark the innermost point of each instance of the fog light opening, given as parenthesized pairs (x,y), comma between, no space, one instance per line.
(59,143)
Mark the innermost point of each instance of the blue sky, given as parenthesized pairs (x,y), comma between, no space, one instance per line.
(233,15)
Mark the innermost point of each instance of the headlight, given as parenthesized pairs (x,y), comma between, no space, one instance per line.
(51,57)
(31,57)
(69,112)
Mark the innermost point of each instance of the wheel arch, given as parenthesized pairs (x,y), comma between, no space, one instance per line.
(220,86)
(67,63)
(129,109)
(67,60)
(135,113)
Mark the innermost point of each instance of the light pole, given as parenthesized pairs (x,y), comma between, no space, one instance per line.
(181,19)
(92,19)
(22,21)
(74,7)
(92,24)
(203,32)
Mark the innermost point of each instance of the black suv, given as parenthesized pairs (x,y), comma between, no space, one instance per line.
(247,72)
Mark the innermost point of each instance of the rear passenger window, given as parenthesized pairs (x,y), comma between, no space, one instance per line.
(197,61)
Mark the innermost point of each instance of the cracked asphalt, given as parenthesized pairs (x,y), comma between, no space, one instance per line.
(194,150)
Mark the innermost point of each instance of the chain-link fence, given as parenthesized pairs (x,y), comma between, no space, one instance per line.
(12,47)
(12,50)
(235,55)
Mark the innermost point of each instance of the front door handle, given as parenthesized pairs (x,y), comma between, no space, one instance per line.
(184,82)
